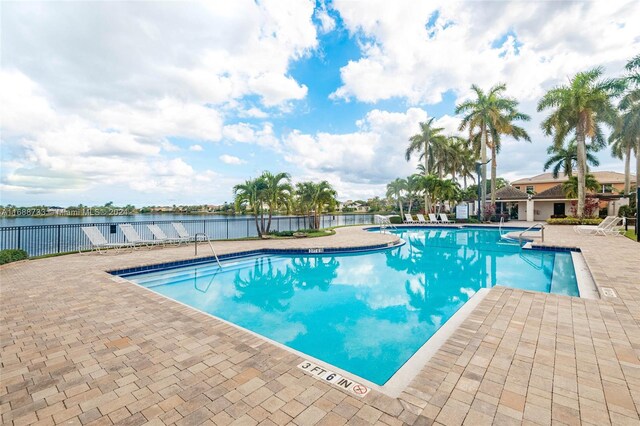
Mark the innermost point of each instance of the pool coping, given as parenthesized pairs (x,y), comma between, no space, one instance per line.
(248,253)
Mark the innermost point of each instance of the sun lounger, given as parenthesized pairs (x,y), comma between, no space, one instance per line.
(160,235)
(134,238)
(98,242)
(445,219)
(182,231)
(408,218)
(421,219)
(606,227)
(433,218)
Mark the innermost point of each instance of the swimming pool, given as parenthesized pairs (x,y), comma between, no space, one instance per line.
(366,313)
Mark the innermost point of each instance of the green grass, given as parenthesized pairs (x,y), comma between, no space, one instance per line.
(631,235)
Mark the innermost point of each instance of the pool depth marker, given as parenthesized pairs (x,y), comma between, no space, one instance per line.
(335,379)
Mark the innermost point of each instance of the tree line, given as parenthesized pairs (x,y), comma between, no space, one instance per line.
(579,112)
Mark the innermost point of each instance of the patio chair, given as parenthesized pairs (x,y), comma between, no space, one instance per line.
(421,219)
(182,232)
(445,219)
(433,218)
(98,242)
(160,235)
(134,238)
(606,227)
(408,218)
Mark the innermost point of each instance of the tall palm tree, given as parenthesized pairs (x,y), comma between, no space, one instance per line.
(582,106)
(395,189)
(492,116)
(630,111)
(566,159)
(622,144)
(277,192)
(423,143)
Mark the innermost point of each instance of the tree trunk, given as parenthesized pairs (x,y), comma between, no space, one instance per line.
(627,171)
(483,171)
(494,168)
(255,216)
(464,181)
(410,204)
(582,160)
(427,206)
(400,205)
(269,222)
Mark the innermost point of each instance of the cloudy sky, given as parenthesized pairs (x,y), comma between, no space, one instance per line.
(175,102)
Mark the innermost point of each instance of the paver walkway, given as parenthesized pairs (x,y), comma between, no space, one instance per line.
(79,348)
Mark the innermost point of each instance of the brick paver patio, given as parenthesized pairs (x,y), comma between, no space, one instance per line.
(79,348)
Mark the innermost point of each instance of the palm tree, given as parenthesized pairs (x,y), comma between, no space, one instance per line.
(251,194)
(566,159)
(412,189)
(622,143)
(629,125)
(277,192)
(395,190)
(314,198)
(492,115)
(581,106)
(423,143)
(447,190)
(570,187)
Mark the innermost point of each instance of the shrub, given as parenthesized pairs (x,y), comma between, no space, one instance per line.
(574,221)
(282,233)
(396,220)
(8,256)
(626,211)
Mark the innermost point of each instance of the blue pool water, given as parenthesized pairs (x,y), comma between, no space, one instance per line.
(366,313)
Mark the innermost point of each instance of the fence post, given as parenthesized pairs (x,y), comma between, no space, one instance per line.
(227,221)
(19,228)
(58,238)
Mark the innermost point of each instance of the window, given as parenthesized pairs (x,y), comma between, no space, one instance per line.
(517,187)
(607,189)
(529,189)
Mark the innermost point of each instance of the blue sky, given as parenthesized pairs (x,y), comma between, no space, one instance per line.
(167,103)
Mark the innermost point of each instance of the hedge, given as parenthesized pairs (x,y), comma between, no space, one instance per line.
(8,256)
(574,221)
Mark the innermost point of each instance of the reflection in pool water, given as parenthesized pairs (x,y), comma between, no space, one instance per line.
(365,313)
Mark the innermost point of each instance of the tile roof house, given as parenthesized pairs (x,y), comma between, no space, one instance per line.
(541,197)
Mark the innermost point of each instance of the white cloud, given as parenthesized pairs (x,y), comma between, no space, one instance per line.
(93,94)
(359,164)
(196,148)
(531,45)
(230,159)
(327,23)
(248,133)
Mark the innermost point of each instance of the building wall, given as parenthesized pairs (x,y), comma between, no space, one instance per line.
(543,210)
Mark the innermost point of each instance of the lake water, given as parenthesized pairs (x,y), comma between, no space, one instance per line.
(60,234)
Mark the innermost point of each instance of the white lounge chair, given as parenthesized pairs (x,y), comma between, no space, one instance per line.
(160,235)
(606,227)
(421,219)
(408,218)
(134,238)
(182,232)
(433,218)
(98,242)
(445,219)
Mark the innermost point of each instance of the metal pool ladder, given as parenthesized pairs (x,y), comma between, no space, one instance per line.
(535,225)
(210,246)
(384,222)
